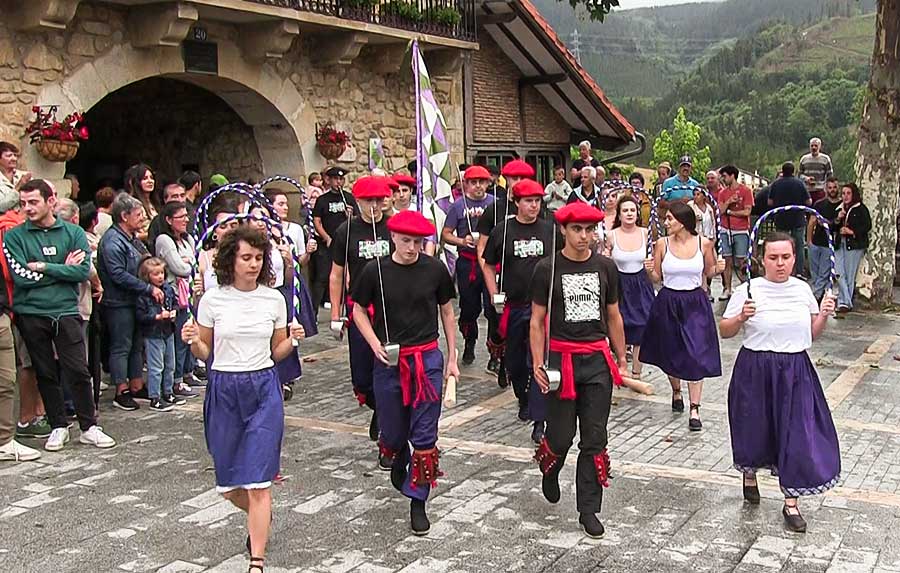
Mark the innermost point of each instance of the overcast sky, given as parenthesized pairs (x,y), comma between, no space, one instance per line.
(626,4)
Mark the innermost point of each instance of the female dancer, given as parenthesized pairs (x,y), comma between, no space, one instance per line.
(776,407)
(206,280)
(627,246)
(243,411)
(680,336)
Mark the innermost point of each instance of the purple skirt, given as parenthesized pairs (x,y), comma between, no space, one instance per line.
(243,419)
(681,337)
(780,420)
(289,367)
(636,297)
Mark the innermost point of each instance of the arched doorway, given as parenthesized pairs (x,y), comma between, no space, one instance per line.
(171,125)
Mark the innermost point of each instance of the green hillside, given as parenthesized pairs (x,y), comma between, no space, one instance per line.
(836,42)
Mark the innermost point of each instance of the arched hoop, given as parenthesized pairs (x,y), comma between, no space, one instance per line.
(304,202)
(201,224)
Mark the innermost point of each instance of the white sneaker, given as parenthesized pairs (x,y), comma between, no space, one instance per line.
(59,437)
(16,452)
(103,386)
(94,436)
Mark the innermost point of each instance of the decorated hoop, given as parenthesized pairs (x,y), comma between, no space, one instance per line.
(271,225)
(832,277)
(304,202)
(201,225)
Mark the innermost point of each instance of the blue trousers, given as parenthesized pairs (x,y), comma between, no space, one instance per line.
(184,360)
(847,262)
(473,297)
(126,360)
(361,360)
(519,364)
(819,268)
(160,365)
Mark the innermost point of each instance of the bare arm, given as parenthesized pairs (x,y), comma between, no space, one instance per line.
(201,343)
(709,258)
(616,325)
(450,238)
(654,266)
(282,343)
(537,341)
(449,322)
(335,289)
(320,230)
(810,229)
(490,278)
(430,248)
(479,249)
(819,321)
(361,319)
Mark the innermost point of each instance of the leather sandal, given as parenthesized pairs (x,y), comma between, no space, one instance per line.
(793,521)
(677,403)
(694,424)
(751,492)
(256,565)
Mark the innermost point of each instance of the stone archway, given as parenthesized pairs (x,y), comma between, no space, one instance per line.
(283,123)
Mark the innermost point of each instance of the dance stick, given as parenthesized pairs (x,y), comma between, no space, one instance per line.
(391,350)
(554,376)
(499,299)
(449,400)
(654,222)
(337,326)
(809,210)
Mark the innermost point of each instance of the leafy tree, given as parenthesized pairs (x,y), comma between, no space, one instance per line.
(684,139)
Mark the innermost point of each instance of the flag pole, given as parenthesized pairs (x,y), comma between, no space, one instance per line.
(420,155)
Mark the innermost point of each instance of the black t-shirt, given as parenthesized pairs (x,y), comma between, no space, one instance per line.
(493,216)
(498,191)
(526,244)
(330,208)
(828,210)
(593,200)
(789,191)
(412,294)
(580,164)
(581,292)
(364,245)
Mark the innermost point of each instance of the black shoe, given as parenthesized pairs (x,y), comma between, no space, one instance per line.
(523,413)
(418,521)
(200,372)
(591,525)
(174,400)
(502,381)
(385,462)
(373,427)
(793,521)
(287,392)
(751,493)
(141,394)
(550,483)
(398,476)
(677,403)
(493,366)
(158,405)
(537,434)
(469,353)
(124,401)
(694,424)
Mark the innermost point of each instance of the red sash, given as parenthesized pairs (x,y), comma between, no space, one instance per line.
(425,391)
(370,310)
(504,318)
(470,256)
(567,349)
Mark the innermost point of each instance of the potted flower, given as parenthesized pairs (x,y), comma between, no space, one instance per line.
(331,142)
(56,141)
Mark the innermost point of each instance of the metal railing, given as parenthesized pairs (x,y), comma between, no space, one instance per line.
(449,18)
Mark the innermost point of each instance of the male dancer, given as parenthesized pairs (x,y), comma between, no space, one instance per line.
(585,311)
(407,290)
(332,208)
(354,243)
(514,171)
(517,245)
(461,230)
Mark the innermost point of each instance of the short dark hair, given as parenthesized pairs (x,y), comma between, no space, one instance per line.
(189,178)
(684,215)
(637,175)
(169,210)
(170,186)
(832,179)
(227,254)
(856,196)
(87,216)
(7,146)
(777,237)
(614,169)
(559,168)
(38,185)
(104,197)
(271,193)
(729,170)
(787,169)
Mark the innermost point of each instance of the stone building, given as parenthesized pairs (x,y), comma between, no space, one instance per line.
(241,86)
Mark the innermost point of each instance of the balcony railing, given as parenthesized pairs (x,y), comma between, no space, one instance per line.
(449,18)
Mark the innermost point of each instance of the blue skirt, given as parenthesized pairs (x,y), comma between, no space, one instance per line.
(681,337)
(636,297)
(243,418)
(780,421)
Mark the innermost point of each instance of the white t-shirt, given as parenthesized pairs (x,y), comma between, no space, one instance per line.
(295,232)
(242,323)
(782,320)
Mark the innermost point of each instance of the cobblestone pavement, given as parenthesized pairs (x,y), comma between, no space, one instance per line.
(674,504)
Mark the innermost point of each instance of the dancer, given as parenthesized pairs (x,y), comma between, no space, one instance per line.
(514,171)
(461,230)
(403,200)
(579,290)
(354,243)
(516,245)
(680,336)
(627,246)
(407,290)
(243,412)
(777,411)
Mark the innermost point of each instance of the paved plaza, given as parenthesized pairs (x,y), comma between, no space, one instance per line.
(673,505)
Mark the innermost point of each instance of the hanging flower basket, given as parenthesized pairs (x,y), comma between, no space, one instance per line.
(331,142)
(331,151)
(57,151)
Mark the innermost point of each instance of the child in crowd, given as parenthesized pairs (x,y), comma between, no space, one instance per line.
(157,327)
(557,191)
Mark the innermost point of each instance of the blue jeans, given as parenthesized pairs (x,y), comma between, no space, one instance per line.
(184,360)
(799,236)
(160,365)
(819,268)
(126,360)
(847,264)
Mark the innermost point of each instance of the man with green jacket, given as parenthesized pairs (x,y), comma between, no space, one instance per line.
(48,259)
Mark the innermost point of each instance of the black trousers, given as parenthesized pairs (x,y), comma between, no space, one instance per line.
(319,271)
(590,410)
(42,334)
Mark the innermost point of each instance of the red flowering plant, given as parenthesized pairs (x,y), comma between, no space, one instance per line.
(329,135)
(45,126)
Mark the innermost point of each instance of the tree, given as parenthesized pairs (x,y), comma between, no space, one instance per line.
(684,139)
(878,157)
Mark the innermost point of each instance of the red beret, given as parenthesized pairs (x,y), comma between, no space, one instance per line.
(410,222)
(477,172)
(527,188)
(392,183)
(404,179)
(579,212)
(517,168)
(371,187)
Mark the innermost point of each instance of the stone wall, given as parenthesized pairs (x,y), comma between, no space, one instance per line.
(280,100)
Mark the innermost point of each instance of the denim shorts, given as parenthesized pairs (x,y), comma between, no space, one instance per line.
(735,244)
